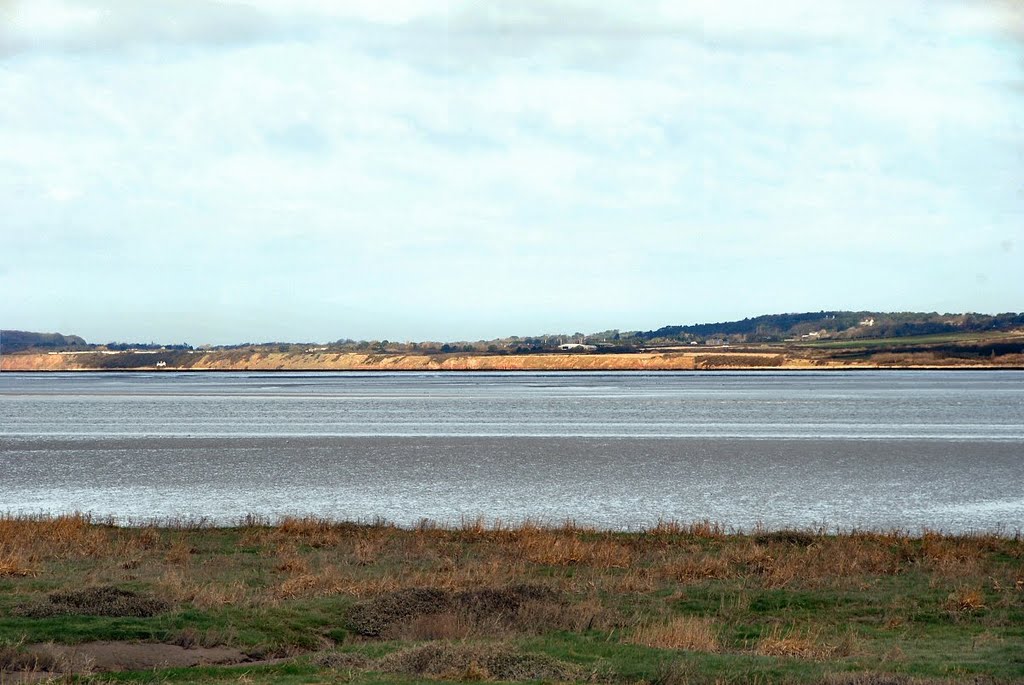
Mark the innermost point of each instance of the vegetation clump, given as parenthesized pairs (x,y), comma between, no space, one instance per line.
(476,662)
(104,600)
(338,661)
(799,538)
(16,657)
(373,617)
(382,615)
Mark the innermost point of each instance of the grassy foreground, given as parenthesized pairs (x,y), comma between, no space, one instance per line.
(313,601)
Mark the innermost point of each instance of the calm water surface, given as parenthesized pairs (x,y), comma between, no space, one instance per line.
(868,449)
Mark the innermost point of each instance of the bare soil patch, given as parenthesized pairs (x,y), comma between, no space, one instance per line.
(135,656)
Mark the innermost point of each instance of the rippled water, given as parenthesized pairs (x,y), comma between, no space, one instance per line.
(870,449)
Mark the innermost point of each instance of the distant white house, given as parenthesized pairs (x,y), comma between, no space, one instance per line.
(577,347)
(867,322)
(814,335)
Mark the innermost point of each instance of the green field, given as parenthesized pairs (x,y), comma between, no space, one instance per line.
(314,601)
(938,339)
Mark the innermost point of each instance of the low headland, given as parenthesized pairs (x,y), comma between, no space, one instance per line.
(312,601)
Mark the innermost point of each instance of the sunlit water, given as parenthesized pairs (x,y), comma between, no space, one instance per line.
(841,449)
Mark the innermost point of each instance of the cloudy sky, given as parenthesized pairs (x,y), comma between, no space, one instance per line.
(227,171)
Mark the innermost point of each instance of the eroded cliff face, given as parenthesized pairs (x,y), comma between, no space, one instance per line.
(400,362)
(256,361)
(37,362)
(245,360)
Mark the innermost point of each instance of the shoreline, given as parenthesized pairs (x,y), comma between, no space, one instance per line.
(498,527)
(371,371)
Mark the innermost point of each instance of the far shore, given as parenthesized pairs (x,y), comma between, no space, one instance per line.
(706,359)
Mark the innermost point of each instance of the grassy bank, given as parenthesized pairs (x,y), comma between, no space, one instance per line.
(315,601)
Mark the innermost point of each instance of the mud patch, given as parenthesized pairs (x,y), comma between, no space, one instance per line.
(135,656)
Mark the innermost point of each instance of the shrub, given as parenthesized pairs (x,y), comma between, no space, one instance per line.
(476,662)
(104,600)
(451,613)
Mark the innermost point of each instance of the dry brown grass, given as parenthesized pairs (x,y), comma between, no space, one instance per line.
(692,633)
(550,550)
(179,553)
(632,587)
(965,599)
(16,657)
(309,531)
(705,529)
(306,585)
(885,679)
(70,536)
(307,558)
(192,589)
(291,561)
(14,563)
(790,642)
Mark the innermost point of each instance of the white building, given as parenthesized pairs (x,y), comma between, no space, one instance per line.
(577,347)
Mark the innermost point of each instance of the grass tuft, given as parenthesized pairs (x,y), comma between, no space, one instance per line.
(16,657)
(790,642)
(692,633)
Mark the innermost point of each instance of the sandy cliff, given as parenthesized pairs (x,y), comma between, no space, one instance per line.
(668,360)
(260,361)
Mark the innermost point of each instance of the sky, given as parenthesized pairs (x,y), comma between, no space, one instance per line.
(210,171)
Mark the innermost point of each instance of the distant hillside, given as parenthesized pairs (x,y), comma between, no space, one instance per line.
(19,341)
(814,328)
(836,324)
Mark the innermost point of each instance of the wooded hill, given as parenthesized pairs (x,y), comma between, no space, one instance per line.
(835,324)
(18,341)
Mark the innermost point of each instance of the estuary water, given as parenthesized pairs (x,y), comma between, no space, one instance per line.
(868,449)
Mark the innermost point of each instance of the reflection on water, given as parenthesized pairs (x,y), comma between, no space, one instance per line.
(870,449)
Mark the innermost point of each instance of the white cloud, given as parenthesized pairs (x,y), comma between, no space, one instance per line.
(406,152)
(104,25)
